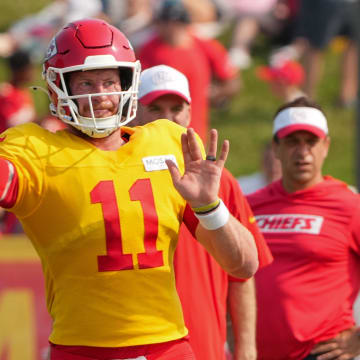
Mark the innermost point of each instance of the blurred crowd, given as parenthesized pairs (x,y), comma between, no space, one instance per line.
(184,34)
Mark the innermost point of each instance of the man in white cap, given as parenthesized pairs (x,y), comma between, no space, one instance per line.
(164,94)
(203,286)
(311,224)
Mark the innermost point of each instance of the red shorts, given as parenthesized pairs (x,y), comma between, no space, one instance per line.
(171,350)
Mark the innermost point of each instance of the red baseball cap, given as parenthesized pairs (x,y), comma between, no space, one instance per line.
(289,72)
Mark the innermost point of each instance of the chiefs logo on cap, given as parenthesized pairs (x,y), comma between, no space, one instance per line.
(51,50)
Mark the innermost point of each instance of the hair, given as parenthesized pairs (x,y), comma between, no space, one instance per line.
(172,10)
(19,60)
(302,101)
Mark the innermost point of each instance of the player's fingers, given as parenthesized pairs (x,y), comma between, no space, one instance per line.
(185,149)
(335,354)
(324,347)
(212,150)
(174,171)
(194,147)
(224,153)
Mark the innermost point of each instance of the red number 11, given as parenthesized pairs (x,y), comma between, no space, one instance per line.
(115,260)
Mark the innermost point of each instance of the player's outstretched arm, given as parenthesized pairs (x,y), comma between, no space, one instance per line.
(224,237)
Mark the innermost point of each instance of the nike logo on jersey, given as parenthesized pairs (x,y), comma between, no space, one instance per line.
(156,163)
(2,138)
(290,223)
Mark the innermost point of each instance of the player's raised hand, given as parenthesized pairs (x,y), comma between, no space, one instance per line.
(200,183)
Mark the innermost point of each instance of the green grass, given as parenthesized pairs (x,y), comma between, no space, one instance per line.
(247,122)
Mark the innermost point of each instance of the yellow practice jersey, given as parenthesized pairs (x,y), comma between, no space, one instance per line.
(105,224)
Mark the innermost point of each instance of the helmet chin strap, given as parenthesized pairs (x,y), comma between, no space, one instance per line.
(99,127)
(98,134)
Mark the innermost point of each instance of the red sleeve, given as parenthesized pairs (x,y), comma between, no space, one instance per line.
(218,58)
(239,207)
(190,220)
(9,184)
(264,253)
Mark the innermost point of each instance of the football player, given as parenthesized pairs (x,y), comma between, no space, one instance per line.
(102,204)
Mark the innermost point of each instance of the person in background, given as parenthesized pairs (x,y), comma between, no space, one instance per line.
(285,79)
(16,103)
(102,204)
(204,288)
(16,107)
(206,19)
(318,23)
(205,62)
(33,32)
(250,18)
(311,224)
(133,17)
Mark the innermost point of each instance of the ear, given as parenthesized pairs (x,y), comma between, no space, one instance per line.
(326,146)
(275,146)
(188,116)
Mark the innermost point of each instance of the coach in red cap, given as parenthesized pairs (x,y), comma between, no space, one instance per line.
(311,224)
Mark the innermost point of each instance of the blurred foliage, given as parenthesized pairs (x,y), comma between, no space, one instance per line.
(13,10)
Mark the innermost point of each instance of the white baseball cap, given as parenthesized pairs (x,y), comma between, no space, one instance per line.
(162,80)
(304,118)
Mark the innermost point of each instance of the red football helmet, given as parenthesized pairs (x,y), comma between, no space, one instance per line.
(87,45)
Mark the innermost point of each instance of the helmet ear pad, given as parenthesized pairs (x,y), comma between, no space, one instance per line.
(67,77)
(126,76)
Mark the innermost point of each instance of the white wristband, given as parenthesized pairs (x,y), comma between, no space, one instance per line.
(215,219)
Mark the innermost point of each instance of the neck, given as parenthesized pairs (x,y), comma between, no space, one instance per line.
(292,186)
(179,38)
(109,143)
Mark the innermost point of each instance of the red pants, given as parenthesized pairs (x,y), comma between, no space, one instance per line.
(172,350)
